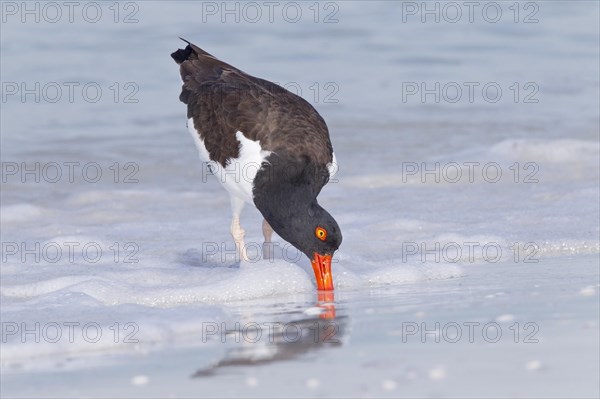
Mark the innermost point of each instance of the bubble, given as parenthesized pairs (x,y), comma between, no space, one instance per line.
(388,385)
(312,383)
(588,291)
(140,380)
(533,365)
(505,318)
(438,373)
(252,381)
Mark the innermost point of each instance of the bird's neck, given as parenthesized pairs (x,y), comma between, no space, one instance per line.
(286,189)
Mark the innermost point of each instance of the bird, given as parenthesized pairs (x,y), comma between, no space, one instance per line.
(269,148)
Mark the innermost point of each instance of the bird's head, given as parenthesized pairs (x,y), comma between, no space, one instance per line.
(288,202)
(318,236)
(311,230)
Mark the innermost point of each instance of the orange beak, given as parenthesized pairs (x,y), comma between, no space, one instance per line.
(322,266)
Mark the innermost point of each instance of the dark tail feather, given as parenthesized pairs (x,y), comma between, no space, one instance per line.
(181,55)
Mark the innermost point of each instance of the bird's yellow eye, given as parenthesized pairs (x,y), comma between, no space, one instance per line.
(321,233)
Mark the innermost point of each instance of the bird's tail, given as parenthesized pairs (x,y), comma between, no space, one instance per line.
(182,54)
(191,51)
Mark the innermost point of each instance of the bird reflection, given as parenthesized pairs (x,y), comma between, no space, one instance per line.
(326,301)
(283,341)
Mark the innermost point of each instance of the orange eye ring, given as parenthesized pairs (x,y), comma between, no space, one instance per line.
(321,233)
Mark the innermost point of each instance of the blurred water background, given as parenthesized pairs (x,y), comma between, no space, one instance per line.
(503,86)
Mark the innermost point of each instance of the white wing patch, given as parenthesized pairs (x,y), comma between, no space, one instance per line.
(332,167)
(238,176)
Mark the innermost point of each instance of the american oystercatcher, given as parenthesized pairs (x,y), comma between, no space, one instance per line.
(269,148)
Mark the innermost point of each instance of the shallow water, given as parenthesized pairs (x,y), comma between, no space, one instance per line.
(495,330)
(429,193)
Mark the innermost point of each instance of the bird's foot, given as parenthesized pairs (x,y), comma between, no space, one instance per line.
(241,250)
(268,250)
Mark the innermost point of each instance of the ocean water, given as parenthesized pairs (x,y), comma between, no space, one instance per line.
(467,192)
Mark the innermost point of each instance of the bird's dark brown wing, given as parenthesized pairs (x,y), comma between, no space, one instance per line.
(222,100)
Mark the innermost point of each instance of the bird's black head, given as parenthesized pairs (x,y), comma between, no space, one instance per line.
(309,228)
(313,231)
(288,203)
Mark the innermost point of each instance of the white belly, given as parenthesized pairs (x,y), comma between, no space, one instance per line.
(238,176)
